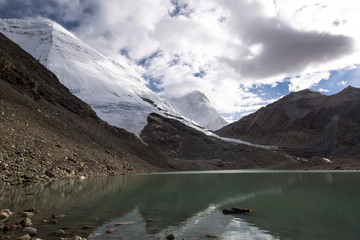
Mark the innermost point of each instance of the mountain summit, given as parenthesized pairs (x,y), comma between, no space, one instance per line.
(116,91)
(196,106)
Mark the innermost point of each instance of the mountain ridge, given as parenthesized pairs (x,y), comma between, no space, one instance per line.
(305,122)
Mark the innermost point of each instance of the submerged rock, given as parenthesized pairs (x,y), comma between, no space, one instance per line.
(236,210)
(111,230)
(211,236)
(124,223)
(170,236)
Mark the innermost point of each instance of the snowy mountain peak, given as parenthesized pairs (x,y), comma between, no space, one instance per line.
(197,95)
(196,106)
(115,90)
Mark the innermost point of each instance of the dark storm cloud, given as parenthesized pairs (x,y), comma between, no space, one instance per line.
(287,50)
(284,49)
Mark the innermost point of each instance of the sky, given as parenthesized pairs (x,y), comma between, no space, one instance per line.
(243,54)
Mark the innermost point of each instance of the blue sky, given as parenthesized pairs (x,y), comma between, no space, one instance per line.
(242,54)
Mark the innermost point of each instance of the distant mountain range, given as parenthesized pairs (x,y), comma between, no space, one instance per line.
(306,123)
(116,91)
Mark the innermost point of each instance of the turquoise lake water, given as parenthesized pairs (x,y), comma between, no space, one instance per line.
(286,204)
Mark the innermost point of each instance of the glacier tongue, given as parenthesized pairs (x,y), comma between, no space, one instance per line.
(116,92)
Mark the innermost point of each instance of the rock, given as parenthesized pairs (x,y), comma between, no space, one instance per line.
(60,232)
(9,227)
(26,222)
(78,238)
(58,216)
(110,230)
(6,211)
(27,214)
(32,209)
(211,236)
(124,223)
(31,231)
(25,237)
(236,210)
(73,238)
(3,216)
(170,236)
(94,235)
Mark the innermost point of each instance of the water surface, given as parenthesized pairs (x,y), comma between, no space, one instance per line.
(287,205)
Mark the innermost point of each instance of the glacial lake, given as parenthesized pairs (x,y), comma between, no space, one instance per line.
(287,205)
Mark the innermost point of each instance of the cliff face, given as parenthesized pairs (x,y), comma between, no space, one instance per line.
(46,132)
(307,123)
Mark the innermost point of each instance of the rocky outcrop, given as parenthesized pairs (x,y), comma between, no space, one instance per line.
(48,133)
(305,123)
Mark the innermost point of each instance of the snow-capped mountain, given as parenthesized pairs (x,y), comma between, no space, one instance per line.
(196,106)
(116,92)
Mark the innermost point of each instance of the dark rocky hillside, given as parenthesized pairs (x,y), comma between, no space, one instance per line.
(47,133)
(189,149)
(306,123)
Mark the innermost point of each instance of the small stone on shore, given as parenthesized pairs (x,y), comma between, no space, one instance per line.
(31,231)
(24,237)
(60,232)
(26,222)
(58,216)
(27,214)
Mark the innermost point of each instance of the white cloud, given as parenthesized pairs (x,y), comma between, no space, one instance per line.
(342,83)
(307,80)
(324,90)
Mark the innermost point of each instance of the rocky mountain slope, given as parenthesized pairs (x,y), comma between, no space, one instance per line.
(306,123)
(196,106)
(189,149)
(48,133)
(115,91)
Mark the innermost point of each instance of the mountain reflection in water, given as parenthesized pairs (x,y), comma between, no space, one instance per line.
(287,205)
